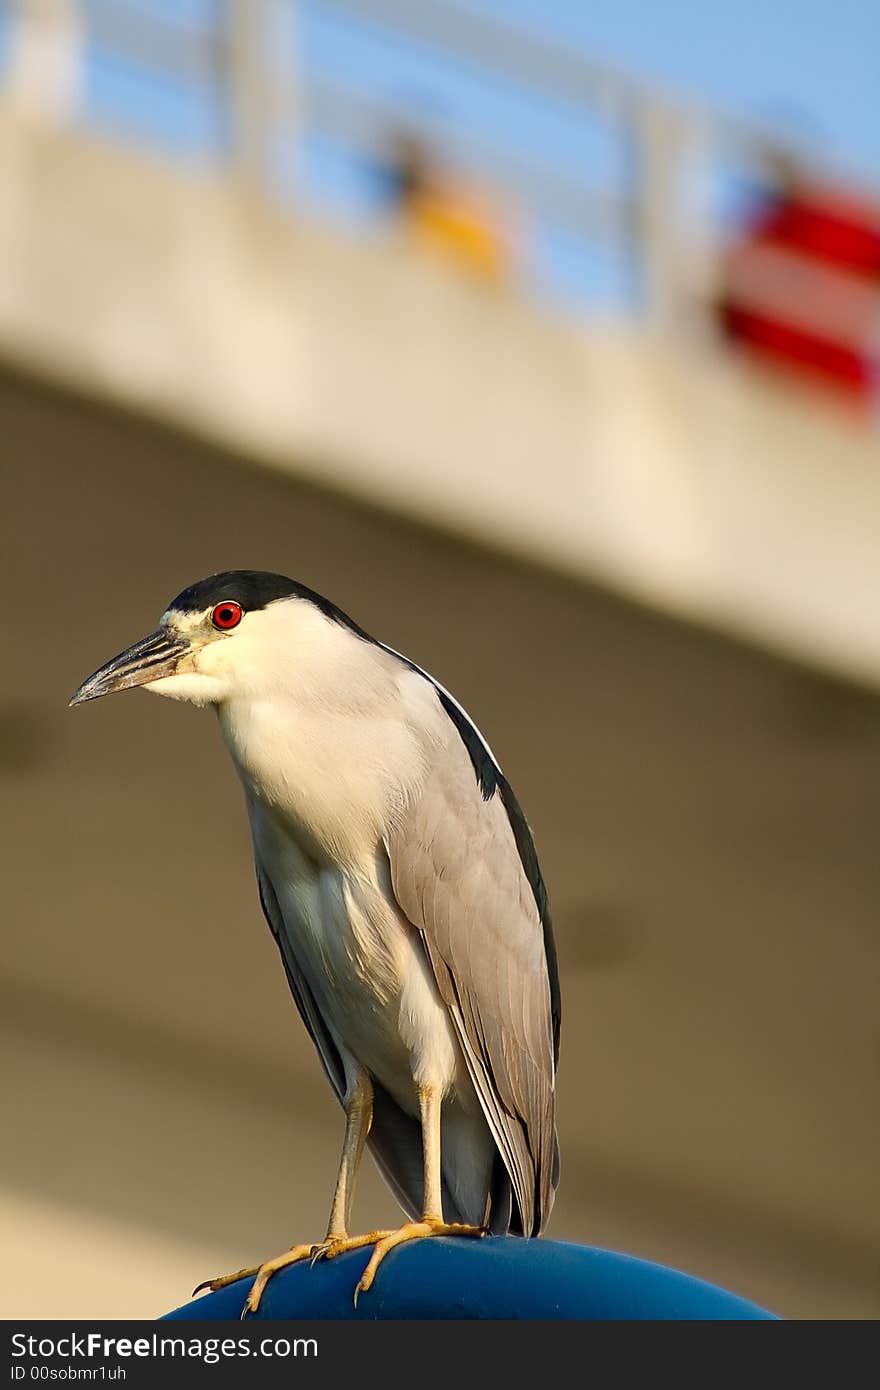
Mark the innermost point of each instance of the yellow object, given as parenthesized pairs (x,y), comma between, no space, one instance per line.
(464,231)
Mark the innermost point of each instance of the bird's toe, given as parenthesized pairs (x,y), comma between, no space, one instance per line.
(340,1245)
(223,1280)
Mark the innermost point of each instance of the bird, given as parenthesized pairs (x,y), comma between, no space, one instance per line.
(400,881)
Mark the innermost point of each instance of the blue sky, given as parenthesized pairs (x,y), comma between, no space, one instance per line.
(808,68)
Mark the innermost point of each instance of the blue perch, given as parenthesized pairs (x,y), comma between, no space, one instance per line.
(497,1277)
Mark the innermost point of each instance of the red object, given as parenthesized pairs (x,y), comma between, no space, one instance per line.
(803,286)
(226,615)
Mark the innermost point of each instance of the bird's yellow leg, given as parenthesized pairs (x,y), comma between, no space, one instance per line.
(358,1117)
(337,1240)
(432,1223)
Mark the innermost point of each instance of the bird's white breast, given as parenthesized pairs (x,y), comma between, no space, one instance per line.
(334,748)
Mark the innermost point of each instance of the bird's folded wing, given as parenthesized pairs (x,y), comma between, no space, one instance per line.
(457,875)
(299,987)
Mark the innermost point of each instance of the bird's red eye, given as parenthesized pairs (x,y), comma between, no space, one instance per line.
(226,615)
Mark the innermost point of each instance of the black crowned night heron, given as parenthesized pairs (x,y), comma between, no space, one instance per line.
(399,878)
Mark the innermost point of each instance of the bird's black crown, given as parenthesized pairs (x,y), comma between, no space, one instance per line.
(255,589)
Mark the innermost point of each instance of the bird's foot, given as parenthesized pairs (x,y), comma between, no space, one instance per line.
(383,1241)
(263,1274)
(340,1245)
(330,1247)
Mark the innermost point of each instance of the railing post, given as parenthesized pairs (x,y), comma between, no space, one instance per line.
(673,241)
(46,58)
(250,87)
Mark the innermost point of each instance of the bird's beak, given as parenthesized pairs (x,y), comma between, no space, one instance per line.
(148,660)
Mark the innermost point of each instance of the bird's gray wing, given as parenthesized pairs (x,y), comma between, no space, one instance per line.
(459,875)
(299,986)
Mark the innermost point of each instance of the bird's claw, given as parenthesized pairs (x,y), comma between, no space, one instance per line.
(222,1280)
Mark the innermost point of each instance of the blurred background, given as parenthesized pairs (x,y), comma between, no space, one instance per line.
(545,339)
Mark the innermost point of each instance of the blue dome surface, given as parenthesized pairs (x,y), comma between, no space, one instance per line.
(497,1277)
